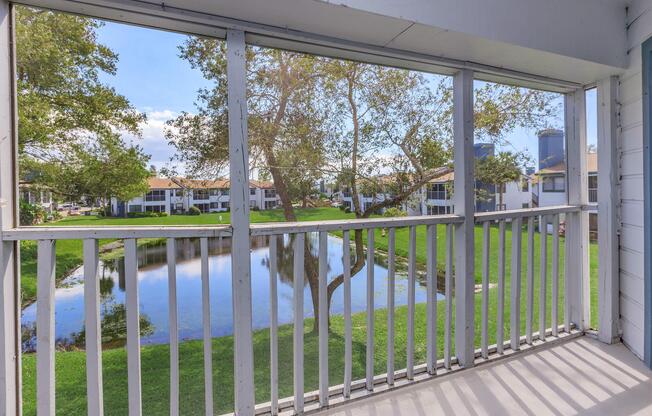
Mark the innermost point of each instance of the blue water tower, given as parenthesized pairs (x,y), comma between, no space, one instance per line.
(551,148)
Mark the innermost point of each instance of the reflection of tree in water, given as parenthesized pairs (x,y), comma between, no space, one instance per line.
(114,326)
(285,262)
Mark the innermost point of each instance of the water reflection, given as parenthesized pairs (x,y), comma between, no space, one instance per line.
(153,291)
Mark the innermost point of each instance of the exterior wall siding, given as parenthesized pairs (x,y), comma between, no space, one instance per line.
(631,180)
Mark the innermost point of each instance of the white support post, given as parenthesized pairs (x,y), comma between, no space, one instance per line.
(241,263)
(608,284)
(463,199)
(577,224)
(10,374)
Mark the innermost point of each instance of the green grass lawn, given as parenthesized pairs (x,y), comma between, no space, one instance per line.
(70,366)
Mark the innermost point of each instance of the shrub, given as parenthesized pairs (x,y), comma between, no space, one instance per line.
(162,214)
(255,208)
(394,212)
(347,210)
(194,211)
(31,214)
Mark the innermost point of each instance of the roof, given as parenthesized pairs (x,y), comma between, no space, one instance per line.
(155,182)
(591,166)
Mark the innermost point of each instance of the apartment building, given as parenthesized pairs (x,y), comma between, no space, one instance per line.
(177,195)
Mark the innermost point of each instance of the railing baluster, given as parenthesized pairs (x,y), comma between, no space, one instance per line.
(529,312)
(370,309)
(206,321)
(391,287)
(567,268)
(323,319)
(500,319)
(93,330)
(133,327)
(515,327)
(431,299)
(173,314)
(448,293)
(299,243)
(45,277)
(543,268)
(412,278)
(273,324)
(348,330)
(555,275)
(485,290)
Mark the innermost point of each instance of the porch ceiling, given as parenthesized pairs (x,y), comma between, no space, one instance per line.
(578,377)
(380,33)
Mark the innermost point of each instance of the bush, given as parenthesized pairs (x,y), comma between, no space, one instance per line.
(255,208)
(162,214)
(194,211)
(347,210)
(31,214)
(394,212)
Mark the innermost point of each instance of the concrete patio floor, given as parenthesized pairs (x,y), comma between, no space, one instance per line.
(579,377)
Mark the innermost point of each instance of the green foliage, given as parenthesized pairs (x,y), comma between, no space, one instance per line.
(501,169)
(114,326)
(31,214)
(194,211)
(67,117)
(394,212)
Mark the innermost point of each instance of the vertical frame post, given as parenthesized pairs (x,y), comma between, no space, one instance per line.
(577,224)
(240,260)
(10,374)
(608,284)
(463,200)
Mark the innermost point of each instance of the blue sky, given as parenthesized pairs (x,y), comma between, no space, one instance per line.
(157,82)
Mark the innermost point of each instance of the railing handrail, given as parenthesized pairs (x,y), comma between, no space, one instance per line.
(352,224)
(260,229)
(526,212)
(114,232)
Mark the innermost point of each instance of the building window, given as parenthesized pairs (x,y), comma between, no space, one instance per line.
(200,194)
(135,208)
(525,205)
(438,210)
(525,185)
(178,207)
(154,208)
(270,193)
(224,191)
(155,195)
(215,205)
(252,191)
(176,192)
(593,188)
(214,192)
(270,204)
(203,207)
(225,205)
(554,184)
(437,191)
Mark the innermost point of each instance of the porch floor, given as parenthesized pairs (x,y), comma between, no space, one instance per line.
(580,376)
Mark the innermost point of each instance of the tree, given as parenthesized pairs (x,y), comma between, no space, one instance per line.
(102,170)
(500,170)
(64,109)
(286,123)
(400,134)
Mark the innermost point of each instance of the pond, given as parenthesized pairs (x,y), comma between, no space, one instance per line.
(153,287)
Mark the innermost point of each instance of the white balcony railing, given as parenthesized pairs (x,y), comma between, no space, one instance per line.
(329,391)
